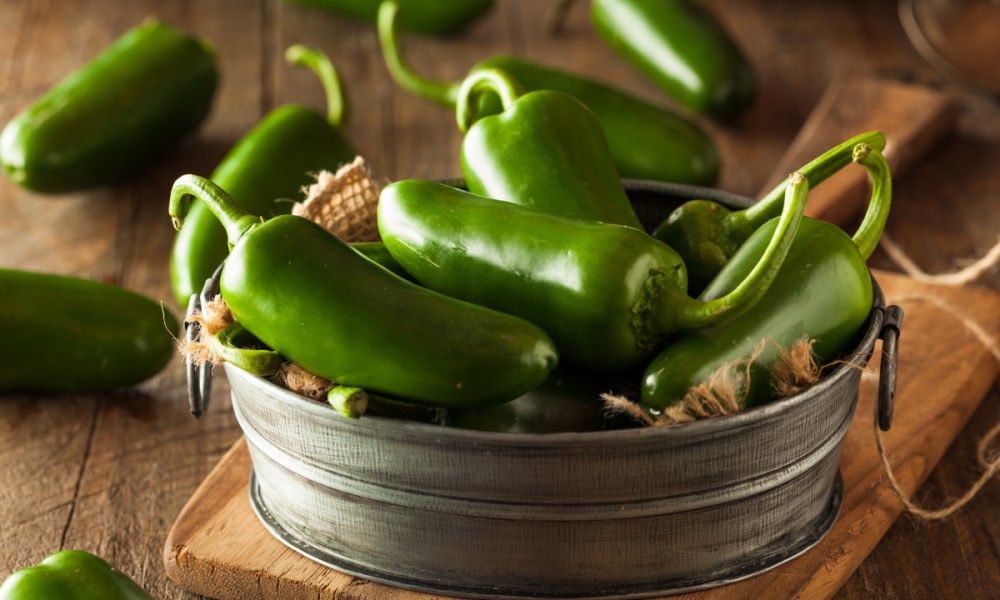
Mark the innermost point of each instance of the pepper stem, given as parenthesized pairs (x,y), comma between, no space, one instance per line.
(744,222)
(388,36)
(229,345)
(320,64)
(475,85)
(870,230)
(351,402)
(234,218)
(690,313)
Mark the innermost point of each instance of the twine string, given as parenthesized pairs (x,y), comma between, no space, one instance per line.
(990,464)
(956,278)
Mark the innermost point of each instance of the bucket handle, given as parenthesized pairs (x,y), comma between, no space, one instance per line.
(892,322)
(199,377)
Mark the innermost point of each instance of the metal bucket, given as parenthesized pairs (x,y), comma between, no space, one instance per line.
(609,514)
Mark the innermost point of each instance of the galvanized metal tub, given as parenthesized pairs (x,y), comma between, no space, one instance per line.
(612,514)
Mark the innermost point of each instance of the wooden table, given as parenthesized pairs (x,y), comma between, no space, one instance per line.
(109,472)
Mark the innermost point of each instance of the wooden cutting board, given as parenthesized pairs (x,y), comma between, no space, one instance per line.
(218,548)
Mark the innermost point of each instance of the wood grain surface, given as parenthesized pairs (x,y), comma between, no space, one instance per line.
(109,473)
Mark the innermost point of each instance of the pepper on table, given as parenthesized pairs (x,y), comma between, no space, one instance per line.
(822,293)
(433,17)
(323,306)
(606,293)
(646,141)
(71,575)
(683,49)
(114,115)
(545,150)
(69,334)
(269,166)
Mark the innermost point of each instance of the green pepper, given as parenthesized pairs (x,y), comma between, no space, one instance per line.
(683,49)
(607,294)
(71,575)
(646,141)
(320,304)
(546,150)
(434,17)
(706,233)
(66,334)
(113,115)
(823,292)
(267,168)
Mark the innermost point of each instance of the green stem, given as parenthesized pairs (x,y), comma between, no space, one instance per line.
(351,402)
(320,64)
(231,344)
(743,223)
(234,218)
(388,35)
(870,230)
(478,83)
(684,312)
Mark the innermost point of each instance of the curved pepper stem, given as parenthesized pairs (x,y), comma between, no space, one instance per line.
(234,218)
(745,222)
(475,85)
(320,64)
(870,230)
(684,312)
(230,345)
(388,36)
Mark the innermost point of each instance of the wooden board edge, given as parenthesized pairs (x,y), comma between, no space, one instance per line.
(230,477)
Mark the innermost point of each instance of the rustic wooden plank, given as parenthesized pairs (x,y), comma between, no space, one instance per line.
(107,472)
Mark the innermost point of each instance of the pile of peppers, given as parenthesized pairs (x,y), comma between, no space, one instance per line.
(475,297)
(479,299)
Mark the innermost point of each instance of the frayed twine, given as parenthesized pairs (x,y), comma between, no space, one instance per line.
(213,318)
(296,379)
(344,203)
(724,391)
(795,369)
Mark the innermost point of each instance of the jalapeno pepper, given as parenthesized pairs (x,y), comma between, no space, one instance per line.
(113,115)
(682,48)
(607,294)
(71,575)
(434,17)
(67,334)
(546,150)
(823,292)
(706,233)
(646,141)
(266,169)
(320,304)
